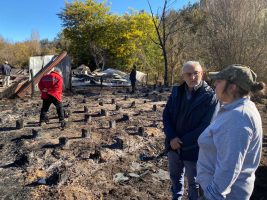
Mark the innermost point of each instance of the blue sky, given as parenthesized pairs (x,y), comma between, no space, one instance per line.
(18,18)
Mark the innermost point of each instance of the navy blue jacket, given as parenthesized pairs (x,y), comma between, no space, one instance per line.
(133,75)
(195,120)
(6,69)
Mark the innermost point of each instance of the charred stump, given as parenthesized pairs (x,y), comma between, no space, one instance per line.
(87,118)
(85,109)
(112,124)
(86,133)
(104,112)
(19,124)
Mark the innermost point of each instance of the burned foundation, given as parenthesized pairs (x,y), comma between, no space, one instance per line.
(93,148)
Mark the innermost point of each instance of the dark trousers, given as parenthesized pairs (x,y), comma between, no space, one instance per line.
(133,86)
(46,105)
(178,169)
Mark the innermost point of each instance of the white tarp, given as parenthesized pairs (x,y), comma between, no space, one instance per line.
(141,77)
(111,77)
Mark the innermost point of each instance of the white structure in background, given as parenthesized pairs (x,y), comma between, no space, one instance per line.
(36,63)
(141,77)
(110,77)
(82,69)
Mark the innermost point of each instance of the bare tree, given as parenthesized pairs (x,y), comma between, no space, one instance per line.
(164,30)
(237,32)
(99,56)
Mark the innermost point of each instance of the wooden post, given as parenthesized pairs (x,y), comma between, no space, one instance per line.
(62,141)
(118,108)
(87,118)
(86,133)
(154,108)
(19,123)
(85,109)
(32,83)
(104,112)
(34,133)
(132,104)
(141,131)
(112,124)
(125,117)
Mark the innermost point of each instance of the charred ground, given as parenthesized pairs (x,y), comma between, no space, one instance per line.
(112,148)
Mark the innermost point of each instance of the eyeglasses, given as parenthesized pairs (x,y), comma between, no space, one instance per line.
(195,73)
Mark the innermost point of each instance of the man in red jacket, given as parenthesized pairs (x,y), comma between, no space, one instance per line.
(50,86)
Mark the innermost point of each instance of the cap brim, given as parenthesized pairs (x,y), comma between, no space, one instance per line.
(214,75)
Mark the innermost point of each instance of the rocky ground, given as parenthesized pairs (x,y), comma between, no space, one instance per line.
(112,148)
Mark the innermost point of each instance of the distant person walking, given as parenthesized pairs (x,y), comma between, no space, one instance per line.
(188,112)
(6,72)
(50,86)
(230,147)
(133,78)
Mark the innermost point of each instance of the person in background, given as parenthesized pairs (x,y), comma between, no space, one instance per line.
(51,86)
(6,72)
(133,78)
(230,147)
(188,112)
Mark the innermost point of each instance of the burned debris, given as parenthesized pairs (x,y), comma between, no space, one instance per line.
(101,143)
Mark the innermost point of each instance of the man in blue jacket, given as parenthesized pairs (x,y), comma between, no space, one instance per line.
(6,71)
(188,112)
(133,78)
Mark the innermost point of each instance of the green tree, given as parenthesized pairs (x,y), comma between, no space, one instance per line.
(103,39)
(81,21)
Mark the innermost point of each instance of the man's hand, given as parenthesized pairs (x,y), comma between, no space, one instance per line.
(175,143)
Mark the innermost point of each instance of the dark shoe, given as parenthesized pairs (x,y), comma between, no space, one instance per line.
(63,124)
(46,120)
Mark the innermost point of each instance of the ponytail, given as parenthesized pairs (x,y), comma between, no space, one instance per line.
(257,86)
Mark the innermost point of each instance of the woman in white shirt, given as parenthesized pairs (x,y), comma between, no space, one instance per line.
(230,148)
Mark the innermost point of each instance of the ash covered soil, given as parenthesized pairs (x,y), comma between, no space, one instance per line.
(112,148)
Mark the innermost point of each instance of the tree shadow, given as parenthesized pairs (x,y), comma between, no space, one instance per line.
(78,120)
(5,129)
(21,161)
(78,112)
(23,137)
(50,146)
(118,144)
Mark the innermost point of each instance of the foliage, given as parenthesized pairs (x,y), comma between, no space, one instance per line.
(17,54)
(236,32)
(98,38)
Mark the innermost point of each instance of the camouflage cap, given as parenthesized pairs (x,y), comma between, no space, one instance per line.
(241,75)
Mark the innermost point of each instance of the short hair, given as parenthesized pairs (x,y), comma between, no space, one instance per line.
(191,63)
(56,69)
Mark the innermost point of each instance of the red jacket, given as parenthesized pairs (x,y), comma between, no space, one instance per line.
(51,84)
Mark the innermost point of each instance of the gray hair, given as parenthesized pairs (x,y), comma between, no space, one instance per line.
(190,63)
(56,69)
